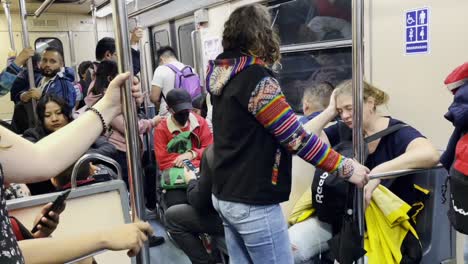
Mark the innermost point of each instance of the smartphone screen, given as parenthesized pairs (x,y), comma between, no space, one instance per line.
(189,165)
(59,201)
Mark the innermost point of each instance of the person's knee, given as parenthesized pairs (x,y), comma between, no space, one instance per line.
(297,250)
(172,216)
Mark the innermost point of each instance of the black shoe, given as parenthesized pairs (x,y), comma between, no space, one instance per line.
(155,241)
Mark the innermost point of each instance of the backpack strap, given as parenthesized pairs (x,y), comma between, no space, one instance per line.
(173,68)
(385,132)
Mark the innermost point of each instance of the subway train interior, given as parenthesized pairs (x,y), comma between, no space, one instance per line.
(408,49)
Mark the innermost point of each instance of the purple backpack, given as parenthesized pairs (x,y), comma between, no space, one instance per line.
(187,80)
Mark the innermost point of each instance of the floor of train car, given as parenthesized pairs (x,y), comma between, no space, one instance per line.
(166,253)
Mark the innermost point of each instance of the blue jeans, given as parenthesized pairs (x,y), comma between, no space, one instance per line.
(255,233)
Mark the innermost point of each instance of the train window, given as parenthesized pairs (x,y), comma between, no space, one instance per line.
(42,43)
(313,21)
(161,39)
(300,69)
(185,44)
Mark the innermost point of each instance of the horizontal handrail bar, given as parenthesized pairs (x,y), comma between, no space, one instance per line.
(45,5)
(149,8)
(400,173)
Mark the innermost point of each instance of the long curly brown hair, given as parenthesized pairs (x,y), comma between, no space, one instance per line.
(249,29)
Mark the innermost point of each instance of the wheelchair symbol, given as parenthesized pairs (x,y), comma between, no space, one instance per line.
(410,20)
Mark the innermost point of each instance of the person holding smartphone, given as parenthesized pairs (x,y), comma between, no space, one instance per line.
(69,143)
(183,135)
(187,222)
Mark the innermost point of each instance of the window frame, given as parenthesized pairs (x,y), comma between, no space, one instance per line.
(47,38)
(161,31)
(192,63)
(154,42)
(306,46)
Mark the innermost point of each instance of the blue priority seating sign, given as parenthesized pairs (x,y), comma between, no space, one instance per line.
(417,30)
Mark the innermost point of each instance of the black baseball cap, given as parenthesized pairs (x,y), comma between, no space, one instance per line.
(178,100)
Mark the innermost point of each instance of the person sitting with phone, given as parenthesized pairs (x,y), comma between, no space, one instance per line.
(45,225)
(187,222)
(184,135)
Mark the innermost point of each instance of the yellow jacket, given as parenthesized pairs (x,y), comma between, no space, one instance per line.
(302,209)
(387,226)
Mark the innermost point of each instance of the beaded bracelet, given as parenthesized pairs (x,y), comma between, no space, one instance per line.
(104,126)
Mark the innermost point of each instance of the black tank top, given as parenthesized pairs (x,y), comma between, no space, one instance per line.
(9,249)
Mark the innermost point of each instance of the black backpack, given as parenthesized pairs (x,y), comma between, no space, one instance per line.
(458,207)
(329,192)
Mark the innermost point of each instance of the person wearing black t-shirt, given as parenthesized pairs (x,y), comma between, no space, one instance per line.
(406,148)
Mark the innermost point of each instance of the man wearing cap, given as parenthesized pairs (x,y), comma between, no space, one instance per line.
(183,135)
(181,119)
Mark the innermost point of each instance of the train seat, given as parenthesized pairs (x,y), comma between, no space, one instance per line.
(433,227)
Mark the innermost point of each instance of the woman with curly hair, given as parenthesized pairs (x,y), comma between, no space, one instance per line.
(255,134)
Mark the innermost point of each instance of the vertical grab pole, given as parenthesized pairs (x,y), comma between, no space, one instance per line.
(135,179)
(6,7)
(358,72)
(24,24)
(95,26)
(32,84)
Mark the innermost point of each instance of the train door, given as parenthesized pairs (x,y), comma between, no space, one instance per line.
(160,37)
(184,32)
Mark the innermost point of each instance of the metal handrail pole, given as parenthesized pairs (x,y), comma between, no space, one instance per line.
(24,24)
(6,7)
(135,179)
(25,33)
(95,26)
(149,8)
(45,5)
(400,173)
(145,88)
(89,157)
(358,100)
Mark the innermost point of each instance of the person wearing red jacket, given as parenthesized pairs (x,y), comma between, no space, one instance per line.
(181,119)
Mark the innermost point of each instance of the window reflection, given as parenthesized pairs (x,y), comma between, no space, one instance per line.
(312,20)
(42,43)
(300,69)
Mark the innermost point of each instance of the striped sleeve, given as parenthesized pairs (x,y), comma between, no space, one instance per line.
(269,106)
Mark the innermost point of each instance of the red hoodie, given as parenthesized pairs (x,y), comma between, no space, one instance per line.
(165,132)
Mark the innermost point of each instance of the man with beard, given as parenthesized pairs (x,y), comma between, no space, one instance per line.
(183,135)
(56,79)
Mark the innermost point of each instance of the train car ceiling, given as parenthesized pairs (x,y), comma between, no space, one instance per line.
(59,6)
(172,10)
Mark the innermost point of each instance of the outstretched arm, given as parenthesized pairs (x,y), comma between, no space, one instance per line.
(56,152)
(420,153)
(269,106)
(61,250)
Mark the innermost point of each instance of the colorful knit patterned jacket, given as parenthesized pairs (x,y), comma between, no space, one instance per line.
(255,133)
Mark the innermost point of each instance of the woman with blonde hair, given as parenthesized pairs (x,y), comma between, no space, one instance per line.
(255,134)
(406,148)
